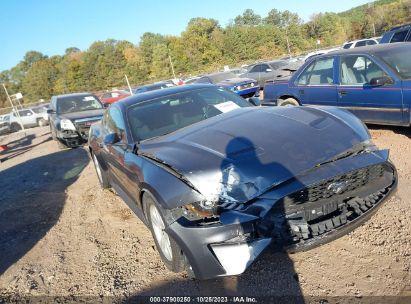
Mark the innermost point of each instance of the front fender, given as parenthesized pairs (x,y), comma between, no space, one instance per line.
(168,189)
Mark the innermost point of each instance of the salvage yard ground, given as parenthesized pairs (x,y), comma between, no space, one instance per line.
(61,235)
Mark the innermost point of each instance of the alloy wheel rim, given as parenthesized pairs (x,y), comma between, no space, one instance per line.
(161,236)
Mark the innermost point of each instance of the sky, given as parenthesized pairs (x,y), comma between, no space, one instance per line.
(51,26)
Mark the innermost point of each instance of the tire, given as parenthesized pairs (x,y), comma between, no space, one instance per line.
(288,102)
(101,174)
(15,127)
(41,122)
(53,133)
(170,253)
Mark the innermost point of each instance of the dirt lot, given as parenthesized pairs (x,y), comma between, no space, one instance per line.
(61,235)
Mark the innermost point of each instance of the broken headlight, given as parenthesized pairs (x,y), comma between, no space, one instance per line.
(200,210)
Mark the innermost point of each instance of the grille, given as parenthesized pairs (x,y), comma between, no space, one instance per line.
(337,185)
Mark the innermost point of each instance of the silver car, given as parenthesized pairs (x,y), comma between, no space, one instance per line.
(35,117)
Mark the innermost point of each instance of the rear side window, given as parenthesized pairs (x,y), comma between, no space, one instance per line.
(25,113)
(399,36)
(319,72)
(361,43)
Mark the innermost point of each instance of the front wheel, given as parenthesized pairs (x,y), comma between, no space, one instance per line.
(170,252)
(101,174)
(15,127)
(289,102)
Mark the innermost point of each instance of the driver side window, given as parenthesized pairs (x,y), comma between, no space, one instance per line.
(256,69)
(113,122)
(359,70)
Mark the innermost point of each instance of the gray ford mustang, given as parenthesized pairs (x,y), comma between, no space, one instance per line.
(217,179)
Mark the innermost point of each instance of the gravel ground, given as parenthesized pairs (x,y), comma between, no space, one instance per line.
(61,235)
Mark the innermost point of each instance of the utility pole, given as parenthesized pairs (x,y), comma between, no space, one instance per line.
(128,84)
(12,105)
(172,67)
(288,43)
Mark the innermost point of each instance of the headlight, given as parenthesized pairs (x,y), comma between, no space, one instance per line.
(200,210)
(66,124)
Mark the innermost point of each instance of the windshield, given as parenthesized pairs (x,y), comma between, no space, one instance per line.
(399,60)
(167,114)
(39,110)
(77,104)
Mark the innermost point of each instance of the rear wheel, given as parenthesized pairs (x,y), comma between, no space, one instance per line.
(101,174)
(41,122)
(288,102)
(169,251)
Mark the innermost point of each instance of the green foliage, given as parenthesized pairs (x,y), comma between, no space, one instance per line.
(248,18)
(203,46)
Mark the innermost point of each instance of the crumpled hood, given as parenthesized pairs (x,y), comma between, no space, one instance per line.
(83,114)
(239,155)
(235,81)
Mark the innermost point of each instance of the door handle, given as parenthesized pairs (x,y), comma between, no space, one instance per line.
(301,92)
(342,93)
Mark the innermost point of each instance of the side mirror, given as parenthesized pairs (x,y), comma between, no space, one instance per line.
(111,139)
(381,81)
(268,70)
(255,101)
(106,105)
(50,111)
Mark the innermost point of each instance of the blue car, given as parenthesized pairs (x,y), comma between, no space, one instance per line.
(245,87)
(373,82)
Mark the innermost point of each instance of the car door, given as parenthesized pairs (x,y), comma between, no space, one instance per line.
(114,153)
(255,73)
(267,73)
(316,83)
(374,104)
(28,118)
(120,160)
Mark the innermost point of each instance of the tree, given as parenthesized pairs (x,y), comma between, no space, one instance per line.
(71,50)
(248,18)
(39,80)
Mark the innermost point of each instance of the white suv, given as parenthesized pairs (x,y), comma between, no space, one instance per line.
(28,118)
(361,42)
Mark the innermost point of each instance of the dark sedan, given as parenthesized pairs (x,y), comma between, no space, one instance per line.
(245,87)
(217,179)
(71,116)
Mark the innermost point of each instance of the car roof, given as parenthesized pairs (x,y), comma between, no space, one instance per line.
(73,95)
(358,40)
(370,49)
(125,103)
(400,27)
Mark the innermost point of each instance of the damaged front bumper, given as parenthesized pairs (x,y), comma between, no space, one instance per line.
(311,209)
